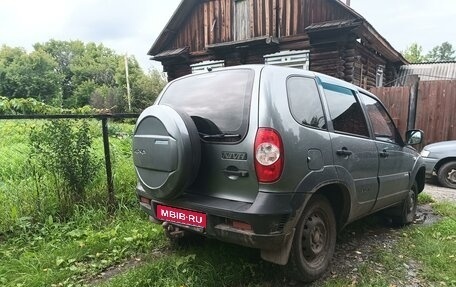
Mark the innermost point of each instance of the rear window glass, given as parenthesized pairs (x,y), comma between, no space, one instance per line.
(304,102)
(346,112)
(218,101)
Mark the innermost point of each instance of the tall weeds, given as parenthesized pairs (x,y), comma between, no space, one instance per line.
(62,149)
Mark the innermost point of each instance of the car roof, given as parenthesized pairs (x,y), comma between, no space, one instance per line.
(322,77)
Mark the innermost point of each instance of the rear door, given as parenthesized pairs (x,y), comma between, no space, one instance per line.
(220,104)
(355,153)
(394,163)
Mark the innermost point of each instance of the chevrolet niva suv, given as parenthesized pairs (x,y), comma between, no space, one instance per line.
(273,158)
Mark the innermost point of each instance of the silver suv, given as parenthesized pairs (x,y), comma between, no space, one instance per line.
(273,158)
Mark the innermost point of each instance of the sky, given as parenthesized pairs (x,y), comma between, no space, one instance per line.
(132,26)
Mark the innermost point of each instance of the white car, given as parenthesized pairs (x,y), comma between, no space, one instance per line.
(440,158)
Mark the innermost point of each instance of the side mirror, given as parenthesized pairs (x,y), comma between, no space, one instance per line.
(414,137)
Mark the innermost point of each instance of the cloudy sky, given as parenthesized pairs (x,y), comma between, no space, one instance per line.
(132,26)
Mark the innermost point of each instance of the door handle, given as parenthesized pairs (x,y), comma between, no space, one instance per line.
(344,152)
(384,153)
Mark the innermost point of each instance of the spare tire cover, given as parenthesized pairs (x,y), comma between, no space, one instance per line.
(166,151)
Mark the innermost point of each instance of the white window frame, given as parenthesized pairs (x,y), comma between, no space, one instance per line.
(295,59)
(205,66)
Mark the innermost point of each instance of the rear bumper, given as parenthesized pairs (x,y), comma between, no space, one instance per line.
(269,216)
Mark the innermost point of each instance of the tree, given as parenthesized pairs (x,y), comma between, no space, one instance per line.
(73,74)
(146,89)
(97,63)
(84,68)
(30,76)
(64,53)
(8,56)
(443,52)
(414,53)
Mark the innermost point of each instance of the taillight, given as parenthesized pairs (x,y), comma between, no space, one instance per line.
(268,155)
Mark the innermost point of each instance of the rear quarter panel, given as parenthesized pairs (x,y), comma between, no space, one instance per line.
(301,143)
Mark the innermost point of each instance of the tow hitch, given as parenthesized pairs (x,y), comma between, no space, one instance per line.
(171,231)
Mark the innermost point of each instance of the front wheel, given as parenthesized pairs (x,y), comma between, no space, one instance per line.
(407,210)
(447,174)
(314,241)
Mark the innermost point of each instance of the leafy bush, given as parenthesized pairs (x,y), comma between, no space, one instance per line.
(31,106)
(64,147)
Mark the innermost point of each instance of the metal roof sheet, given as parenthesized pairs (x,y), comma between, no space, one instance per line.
(333,24)
(428,71)
(171,53)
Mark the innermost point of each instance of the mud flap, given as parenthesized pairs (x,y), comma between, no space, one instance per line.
(279,256)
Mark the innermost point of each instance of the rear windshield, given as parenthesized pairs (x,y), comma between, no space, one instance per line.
(217,101)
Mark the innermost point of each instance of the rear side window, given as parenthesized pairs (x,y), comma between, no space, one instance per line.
(218,102)
(346,113)
(304,102)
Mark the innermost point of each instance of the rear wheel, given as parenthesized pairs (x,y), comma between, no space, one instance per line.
(407,210)
(447,174)
(314,241)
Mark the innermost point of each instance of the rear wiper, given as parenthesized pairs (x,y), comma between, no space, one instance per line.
(219,136)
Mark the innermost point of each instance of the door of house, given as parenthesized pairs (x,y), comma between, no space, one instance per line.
(241,20)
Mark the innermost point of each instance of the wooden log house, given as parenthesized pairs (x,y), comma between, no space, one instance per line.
(325,36)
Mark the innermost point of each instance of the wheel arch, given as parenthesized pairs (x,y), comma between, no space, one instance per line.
(443,161)
(339,197)
(339,190)
(420,178)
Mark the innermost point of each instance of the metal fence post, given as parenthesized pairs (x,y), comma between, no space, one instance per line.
(107,154)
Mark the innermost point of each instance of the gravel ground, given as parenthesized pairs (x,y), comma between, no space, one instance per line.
(440,193)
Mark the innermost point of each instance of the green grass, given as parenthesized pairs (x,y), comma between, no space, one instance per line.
(424,198)
(29,190)
(435,246)
(64,253)
(212,263)
(37,247)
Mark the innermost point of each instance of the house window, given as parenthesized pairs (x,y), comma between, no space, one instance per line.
(241,20)
(379,77)
(205,66)
(294,59)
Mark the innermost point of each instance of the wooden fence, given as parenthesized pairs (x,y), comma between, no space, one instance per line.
(396,100)
(435,111)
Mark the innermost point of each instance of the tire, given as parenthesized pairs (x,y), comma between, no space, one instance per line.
(314,241)
(407,210)
(166,151)
(447,174)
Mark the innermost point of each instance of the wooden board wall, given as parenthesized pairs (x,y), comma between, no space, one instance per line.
(435,108)
(396,100)
(212,21)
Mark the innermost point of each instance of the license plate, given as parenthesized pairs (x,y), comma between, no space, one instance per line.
(182,216)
